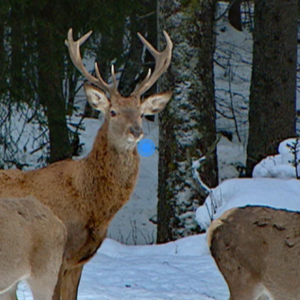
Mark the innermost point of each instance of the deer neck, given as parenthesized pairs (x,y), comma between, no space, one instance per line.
(108,174)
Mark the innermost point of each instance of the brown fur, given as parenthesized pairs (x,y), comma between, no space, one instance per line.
(32,243)
(257,249)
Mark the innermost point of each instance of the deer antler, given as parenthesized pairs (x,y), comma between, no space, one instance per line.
(162,62)
(74,51)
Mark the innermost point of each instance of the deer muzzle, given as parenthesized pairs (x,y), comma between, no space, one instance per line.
(136,131)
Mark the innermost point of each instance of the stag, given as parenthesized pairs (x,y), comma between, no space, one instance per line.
(86,194)
(32,243)
(257,249)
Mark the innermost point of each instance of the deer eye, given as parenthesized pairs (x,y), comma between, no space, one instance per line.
(113,113)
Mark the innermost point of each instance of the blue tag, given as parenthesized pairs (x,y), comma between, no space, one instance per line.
(146,147)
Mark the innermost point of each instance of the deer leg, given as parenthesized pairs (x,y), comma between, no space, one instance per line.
(57,290)
(42,288)
(45,282)
(70,283)
(45,286)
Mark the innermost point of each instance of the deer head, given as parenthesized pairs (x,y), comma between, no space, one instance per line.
(123,114)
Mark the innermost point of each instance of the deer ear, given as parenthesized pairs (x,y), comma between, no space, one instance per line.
(96,98)
(156,103)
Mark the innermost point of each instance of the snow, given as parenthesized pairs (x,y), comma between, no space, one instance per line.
(273,192)
(177,270)
(280,165)
(277,191)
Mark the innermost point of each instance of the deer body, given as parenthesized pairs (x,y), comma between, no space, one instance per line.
(86,194)
(257,250)
(32,243)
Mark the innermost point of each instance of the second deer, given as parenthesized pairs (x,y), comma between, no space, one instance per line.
(32,243)
(257,249)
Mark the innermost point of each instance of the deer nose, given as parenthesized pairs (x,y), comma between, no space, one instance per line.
(136,131)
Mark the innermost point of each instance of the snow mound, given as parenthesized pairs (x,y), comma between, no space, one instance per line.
(273,184)
(281,165)
(272,192)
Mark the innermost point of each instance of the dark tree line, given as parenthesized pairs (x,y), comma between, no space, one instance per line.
(35,68)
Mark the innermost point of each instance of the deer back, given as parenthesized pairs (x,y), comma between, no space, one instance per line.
(257,249)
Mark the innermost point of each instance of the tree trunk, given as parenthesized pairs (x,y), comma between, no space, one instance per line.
(187,126)
(234,15)
(3,60)
(16,69)
(273,84)
(143,19)
(50,70)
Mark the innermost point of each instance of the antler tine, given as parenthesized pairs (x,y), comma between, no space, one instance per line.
(74,51)
(113,75)
(162,62)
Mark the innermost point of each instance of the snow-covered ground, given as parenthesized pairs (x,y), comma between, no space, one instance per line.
(181,270)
